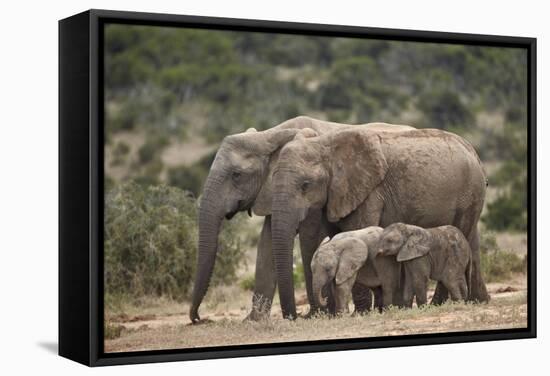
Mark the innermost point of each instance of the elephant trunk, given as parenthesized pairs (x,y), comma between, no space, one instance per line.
(210,216)
(318,285)
(284,224)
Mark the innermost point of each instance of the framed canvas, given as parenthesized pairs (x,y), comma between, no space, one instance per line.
(389,176)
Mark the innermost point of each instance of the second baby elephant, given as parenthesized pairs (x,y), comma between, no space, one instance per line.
(349,258)
(440,253)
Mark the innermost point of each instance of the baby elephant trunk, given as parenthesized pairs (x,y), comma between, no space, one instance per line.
(319,283)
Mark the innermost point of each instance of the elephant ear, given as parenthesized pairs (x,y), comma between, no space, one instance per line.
(415,246)
(273,141)
(352,258)
(262,204)
(358,166)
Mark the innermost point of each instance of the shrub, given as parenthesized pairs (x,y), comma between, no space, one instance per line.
(248,282)
(499,265)
(120,152)
(151,243)
(298,275)
(151,148)
(445,110)
(190,178)
(112,331)
(496,264)
(507,212)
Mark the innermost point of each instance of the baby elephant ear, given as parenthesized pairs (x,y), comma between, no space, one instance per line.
(353,257)
(415,246)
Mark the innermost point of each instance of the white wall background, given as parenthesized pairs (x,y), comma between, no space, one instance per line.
(28,188)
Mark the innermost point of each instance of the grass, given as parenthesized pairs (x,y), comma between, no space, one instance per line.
(112,331)
(505,312)
(151,323)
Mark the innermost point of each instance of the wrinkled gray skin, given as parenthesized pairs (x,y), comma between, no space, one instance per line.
(350,258)
(240,180)
(441,254)
(360,178)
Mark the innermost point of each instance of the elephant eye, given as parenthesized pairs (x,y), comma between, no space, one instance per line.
(236,175)
(305,186)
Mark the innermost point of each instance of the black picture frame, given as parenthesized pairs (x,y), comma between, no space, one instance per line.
(81,117)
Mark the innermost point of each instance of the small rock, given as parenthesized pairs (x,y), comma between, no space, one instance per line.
(506,289)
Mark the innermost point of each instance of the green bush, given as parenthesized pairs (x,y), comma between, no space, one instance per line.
(151,243)
(248,282)
(190,178)
(445,110)
(178,83)
(298,275)
(507,212)
(509,209)
(152,148)
(112,331)
(487,241)
(120,152)
(496,264)
(499,265)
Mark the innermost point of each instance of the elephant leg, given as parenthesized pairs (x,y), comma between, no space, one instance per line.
(378,298)
(362,298)
(478,290)
(408,291)
(421,292)
(388,295)
(454,291)
(441,294)
(341,296)
(397,284)
(463,289)
(265,278)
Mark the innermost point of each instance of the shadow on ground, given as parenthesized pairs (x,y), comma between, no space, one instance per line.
(50,347)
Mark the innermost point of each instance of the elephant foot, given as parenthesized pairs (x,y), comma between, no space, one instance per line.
(314,312)
(479,294)
(261,308)
(201,322)
(441,294)
(256,315)
(360,312)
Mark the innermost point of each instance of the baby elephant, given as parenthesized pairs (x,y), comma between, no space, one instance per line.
(440,253)
(348,258)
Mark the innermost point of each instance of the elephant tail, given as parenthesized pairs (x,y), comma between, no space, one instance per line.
(469,274)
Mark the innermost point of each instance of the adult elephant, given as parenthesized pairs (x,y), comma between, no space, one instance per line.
(362,178)
(240,179)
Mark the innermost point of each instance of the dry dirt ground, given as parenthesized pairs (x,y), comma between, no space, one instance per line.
(165,325)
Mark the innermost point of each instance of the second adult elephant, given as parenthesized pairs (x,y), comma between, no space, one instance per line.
(360,178)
